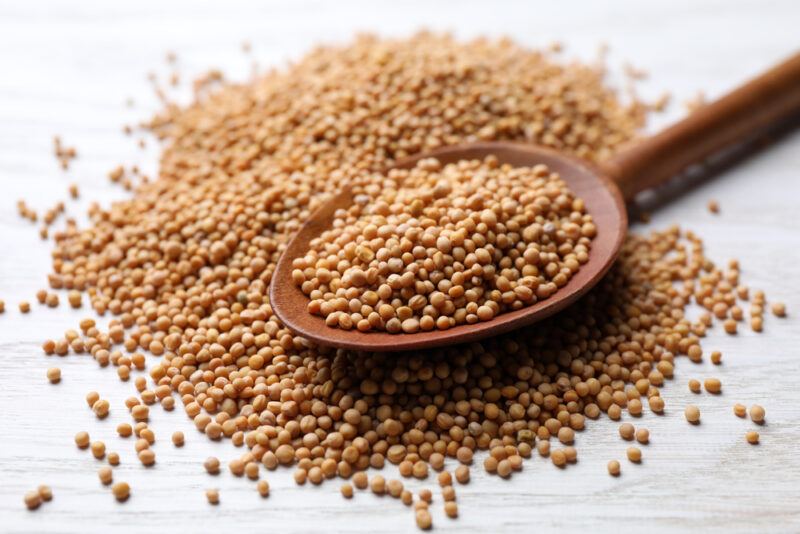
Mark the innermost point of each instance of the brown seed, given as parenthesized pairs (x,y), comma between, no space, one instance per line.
(33,500)
(212,495)
(626,431)
(24,306)
(462,474)
(740,410)
(147,457)
(82,439)
(713,206)
(694,386)
(713,385)
(634,454)
(113,458)
(451,509)
(716,357)
(347,491)
(779,309)
(752,437)
(692,414)
(121,491)
(212,465)
(613,468)
(101,408)
(54,375)
(106,475)
(378,485)
(558,458)
(177,438)
(98,449)
(124,430)
(263,488)
(643,436)
(757,413)
(424,520)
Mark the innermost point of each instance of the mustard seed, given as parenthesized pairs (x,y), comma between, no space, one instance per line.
(757,413)
(124,430)
(643,436)
(347,491)
(462,474)
(24,306)
(692,414)
(33,500)
(54,375)
(98,449)
(626,431)
(212,465)
(113,458)
(360,480)
(147,457)
(713,385)
(752,437)
(716,357)
(106,475)
(378,485)
(212,495)
(634,454)
(424,520)
(559,458)
(739,410)
(121,491)
(177,438)
(613,468)
(263,488)
(82,439)
(694,386)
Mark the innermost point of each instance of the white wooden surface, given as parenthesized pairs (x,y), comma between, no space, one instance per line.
(68,70)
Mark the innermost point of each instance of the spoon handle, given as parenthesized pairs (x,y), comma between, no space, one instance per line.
(763,102)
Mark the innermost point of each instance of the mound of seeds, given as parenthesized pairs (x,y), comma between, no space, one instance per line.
(446,245)
(185,264)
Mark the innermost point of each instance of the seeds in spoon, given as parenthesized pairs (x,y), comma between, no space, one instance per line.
(494,238)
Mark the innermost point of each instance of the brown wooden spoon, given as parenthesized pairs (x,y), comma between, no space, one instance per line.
(747,112)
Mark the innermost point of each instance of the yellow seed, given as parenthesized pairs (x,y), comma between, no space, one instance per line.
(54,375)
(212,465)
(113,458)
(45,492)
(626,431)
(124,430)
(752,437)
(33,500)
(692,414)
(694,386)
(424,520)
(451,509)
(634,454)
(177,438)
(779,309)
(740,410)
(147,457)
(106,475)
(643,435)
(263,488)
(713,385)
(121,491)
(98,449)
(212,496)
(613,468)
(716,357)
(347,491)
(82,439)
(757,413)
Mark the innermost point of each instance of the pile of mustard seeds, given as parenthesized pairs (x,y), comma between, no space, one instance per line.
(183,269)
(445,246)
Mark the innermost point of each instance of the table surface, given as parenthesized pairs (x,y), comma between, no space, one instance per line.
(69,70)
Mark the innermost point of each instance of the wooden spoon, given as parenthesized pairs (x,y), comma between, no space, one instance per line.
(747,112)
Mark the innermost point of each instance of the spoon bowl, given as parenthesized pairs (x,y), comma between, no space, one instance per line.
(603,201)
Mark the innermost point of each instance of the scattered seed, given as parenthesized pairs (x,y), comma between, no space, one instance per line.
(713,385)
(752,437)
(106,475)
(613,468)
(634,454)
(740,410)
(347,491)
(54,375)
(757,413)
(33,500)
(212,496)
(121,491)
(692,414)
(626,431)
(177,438)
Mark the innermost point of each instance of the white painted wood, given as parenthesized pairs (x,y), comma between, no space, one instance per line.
(68,70)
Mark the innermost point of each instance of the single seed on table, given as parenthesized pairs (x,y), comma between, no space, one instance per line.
(394,488)
(613,468)
(716,357)
(752,437)
(778,309)
(570,453)
(559,458)
(424,520)
(643,435)
(634,454)
(121,491)
(263,488)
(713,385)
(692,414)
(300,476)
(45,492)
(626,431)
(378,485)
(113,458)
(694,386)
(730,326)
(757,413)
(713,206)
(212,465)
(147,457)
(212,496)
(98,449)
(347,491)
(52,300)
(177,438)
(739,410)
(54,375)
(106,475)
(33,500)
(82,439)
(236,467)
(360,480)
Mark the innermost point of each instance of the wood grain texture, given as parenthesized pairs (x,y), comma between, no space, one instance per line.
(68,69)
